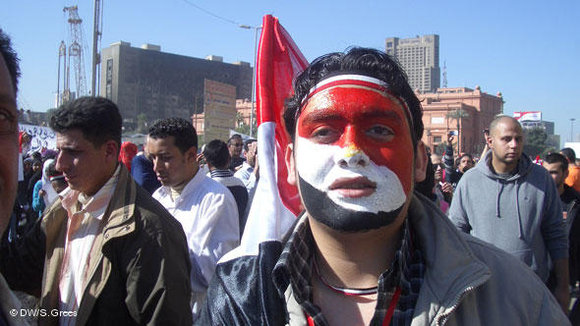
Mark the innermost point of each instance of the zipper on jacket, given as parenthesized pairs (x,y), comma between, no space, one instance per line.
(442,319)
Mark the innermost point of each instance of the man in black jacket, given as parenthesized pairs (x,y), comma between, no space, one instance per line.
(454,169)
(367,250)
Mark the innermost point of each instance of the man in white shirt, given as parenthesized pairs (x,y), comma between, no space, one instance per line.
(248,173)
(205,208)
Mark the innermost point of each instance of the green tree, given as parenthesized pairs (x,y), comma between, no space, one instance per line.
(535,142)
(49,114)
(458,115)
(244,128)
(142,123)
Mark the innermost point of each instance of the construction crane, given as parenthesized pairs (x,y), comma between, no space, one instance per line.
(75,55)
(62,58)
(97,33)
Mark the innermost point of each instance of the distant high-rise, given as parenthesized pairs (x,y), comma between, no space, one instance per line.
(419,57)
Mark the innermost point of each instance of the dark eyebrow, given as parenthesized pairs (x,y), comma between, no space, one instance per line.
(381,113)
(321,115)
(7,99)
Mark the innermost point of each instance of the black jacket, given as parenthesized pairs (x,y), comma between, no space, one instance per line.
(254,292)
(571,204)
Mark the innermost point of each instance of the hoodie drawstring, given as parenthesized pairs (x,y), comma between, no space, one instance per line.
(500,187)
(499,190)
(521,231)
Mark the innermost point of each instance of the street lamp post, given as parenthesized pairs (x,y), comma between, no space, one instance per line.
(253,75)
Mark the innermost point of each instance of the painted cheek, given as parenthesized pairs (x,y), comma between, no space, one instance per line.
(314,161)
(400,161)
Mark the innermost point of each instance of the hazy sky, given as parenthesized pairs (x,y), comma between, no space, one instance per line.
(528,50)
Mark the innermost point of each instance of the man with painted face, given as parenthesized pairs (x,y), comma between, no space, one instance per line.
(9,75)
(367,250)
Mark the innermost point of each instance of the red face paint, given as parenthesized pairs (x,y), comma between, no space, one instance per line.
(364,118)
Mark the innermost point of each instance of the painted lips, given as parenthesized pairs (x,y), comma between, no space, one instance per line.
(353,187)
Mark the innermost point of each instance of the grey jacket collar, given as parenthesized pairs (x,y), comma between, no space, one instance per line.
(453,270)
(523,168)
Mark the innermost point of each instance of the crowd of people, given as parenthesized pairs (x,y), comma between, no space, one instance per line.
(104,234)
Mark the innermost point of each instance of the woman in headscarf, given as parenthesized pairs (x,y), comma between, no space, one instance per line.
(127,152)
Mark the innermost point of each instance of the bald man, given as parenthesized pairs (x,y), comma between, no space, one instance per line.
(512,203)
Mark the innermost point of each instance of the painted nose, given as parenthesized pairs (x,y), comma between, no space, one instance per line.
(351,157)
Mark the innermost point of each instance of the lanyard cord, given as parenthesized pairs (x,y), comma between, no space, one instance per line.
(388,316)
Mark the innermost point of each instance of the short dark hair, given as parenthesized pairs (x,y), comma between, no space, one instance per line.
(52,171)
(247,144)
(234,136)
(569,153)
(183,132)
(552,158)
(462,156)
(217,154)
(97,118)
(356,60)
(11,59)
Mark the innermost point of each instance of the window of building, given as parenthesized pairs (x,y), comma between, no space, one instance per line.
(436,139)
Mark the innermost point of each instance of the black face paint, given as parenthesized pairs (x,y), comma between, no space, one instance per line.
(324,210)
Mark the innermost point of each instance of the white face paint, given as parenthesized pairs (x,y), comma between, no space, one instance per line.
(323,166)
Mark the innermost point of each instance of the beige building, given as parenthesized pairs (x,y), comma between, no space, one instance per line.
(463,110)
(419,57)
(243,109)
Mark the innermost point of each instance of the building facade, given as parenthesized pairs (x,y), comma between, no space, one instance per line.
(419,57)
(243,117)
(461,110)
(148,84)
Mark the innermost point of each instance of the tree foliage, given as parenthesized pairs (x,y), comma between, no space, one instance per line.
(244,128)
(535,142)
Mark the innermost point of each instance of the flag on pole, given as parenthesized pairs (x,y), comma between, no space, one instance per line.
(276,203)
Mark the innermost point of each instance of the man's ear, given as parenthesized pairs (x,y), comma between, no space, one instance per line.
(421,162)
(489,141)
(565,175)
(191,154)
(289,158)
(112,150)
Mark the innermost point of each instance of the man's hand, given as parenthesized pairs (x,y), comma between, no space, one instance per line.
(446,187)
(562,294)
(450,138)
(562,291)
(41,193)
(257,168)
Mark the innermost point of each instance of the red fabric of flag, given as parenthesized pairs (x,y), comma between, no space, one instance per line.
(279,61)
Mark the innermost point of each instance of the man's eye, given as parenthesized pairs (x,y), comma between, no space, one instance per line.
(324,135)
(380,132)
(8,123)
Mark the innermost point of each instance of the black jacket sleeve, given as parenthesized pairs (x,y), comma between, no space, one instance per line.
(22,260)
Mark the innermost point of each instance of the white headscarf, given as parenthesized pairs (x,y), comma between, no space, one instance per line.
(51,194)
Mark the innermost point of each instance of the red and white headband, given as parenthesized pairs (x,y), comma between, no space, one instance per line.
(356,80)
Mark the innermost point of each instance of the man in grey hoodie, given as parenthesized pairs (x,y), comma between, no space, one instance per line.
(512,203)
